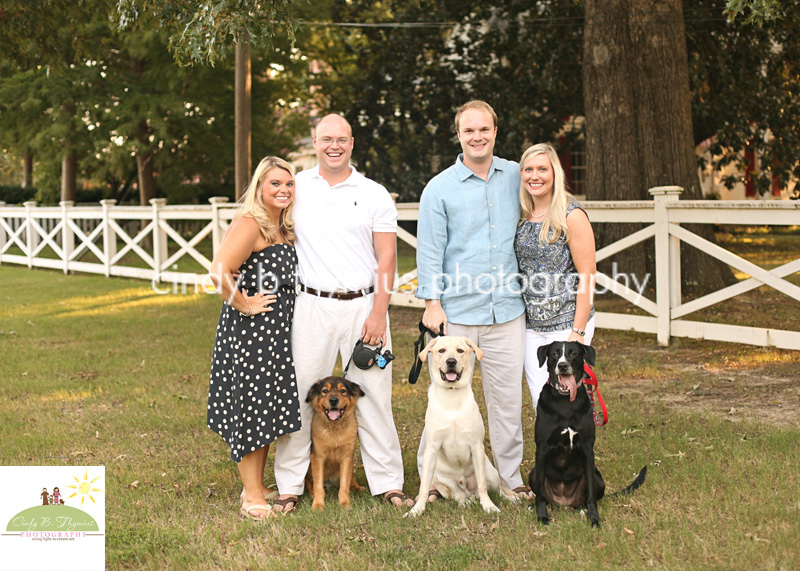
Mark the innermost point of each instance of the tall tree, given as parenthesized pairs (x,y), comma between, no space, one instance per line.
(638,119)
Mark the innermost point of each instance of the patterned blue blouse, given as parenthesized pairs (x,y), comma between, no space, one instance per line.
(550,280)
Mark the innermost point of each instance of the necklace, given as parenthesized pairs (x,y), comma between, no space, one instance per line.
(538,215)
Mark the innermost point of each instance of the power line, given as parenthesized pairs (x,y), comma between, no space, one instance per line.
(635,18)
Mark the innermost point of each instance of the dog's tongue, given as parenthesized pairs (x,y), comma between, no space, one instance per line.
(334,414)
(569,382)
(451,376)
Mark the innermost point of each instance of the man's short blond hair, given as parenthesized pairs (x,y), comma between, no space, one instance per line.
(476,104)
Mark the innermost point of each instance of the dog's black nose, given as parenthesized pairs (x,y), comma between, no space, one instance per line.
(333,401)
(563,366)
(451,362)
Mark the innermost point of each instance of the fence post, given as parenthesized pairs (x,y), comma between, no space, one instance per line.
(667,260)
(216,229)
(159,238)
(67,235)
(31,235)
(109,235)
(3,236)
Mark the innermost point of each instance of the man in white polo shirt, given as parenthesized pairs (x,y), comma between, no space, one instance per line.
(346,226)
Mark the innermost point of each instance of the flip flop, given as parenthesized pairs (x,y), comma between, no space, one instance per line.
(293,500)
(437,495)
(392,495)
(246,512)
(523,492)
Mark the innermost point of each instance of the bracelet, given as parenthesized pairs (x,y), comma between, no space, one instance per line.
(578,331)
(249,311)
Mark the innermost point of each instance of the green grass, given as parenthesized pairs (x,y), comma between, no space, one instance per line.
(100,371)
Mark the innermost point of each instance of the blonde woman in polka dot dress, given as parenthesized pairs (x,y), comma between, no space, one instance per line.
(252,395)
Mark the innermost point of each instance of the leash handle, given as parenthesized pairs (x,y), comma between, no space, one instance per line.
(419,344)
(590,380)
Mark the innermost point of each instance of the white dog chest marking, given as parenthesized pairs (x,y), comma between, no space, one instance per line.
(571,433)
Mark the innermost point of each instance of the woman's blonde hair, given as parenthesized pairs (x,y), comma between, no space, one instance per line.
(554,223)
(252,204)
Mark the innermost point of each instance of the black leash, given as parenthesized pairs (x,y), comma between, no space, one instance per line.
(419,345)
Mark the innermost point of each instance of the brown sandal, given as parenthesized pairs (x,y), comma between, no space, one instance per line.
(392,495)
(437,495)
(292,501)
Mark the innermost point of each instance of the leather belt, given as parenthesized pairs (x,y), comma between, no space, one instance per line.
(340,295)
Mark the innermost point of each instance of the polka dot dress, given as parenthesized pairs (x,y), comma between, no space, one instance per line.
(252,393)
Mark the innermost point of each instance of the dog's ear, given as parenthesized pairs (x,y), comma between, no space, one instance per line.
(424,353)
(589,354)
(475,348)
(542,353)
(356,389)
(314,390)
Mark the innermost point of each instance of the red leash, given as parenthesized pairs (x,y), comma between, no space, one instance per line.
(590,380)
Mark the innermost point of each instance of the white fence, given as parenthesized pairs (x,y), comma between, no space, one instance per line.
(110,240)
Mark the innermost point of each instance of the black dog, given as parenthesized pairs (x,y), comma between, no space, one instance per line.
(565,473)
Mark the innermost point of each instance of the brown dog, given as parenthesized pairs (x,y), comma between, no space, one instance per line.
(334,430)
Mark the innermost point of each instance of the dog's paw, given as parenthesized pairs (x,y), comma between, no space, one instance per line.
(319,506)
(416,511)
(544,520)
(490,508)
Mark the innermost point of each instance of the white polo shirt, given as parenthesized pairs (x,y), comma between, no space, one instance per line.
(334,226)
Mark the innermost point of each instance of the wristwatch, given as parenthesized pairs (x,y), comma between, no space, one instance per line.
(579,332)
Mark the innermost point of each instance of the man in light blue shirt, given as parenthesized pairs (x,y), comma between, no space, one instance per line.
(468,275)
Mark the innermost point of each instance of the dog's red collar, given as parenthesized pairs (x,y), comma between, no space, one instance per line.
(590,380)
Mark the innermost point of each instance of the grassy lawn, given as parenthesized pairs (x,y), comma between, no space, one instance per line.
(103,371)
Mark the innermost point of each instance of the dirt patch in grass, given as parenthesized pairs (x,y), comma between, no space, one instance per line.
(735,382)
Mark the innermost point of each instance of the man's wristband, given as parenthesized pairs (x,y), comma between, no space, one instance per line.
(579,332)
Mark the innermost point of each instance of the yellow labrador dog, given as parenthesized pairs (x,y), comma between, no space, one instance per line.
(454,459)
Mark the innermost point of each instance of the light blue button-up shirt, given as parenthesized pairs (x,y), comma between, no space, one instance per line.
(465,244)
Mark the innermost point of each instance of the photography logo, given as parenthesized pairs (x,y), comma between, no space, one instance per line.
(62,521)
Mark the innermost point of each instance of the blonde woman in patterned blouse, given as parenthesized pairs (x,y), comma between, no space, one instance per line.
(556,254)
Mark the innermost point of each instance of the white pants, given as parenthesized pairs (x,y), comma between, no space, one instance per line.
(501,375)
(536,375)
(322,329)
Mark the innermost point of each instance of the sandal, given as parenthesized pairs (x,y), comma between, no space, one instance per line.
(523,492)
(392,495)
(246,512)
(291,501)
(437,495)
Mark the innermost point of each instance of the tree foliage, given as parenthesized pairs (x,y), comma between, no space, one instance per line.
(114,94)
(754,11)
(746,88)
(203,31)
(400,85)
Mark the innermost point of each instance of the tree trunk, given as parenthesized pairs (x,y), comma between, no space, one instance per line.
(242,120)
(147,183)
(639,124)
(69,162)
(27,170)
(145,154)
